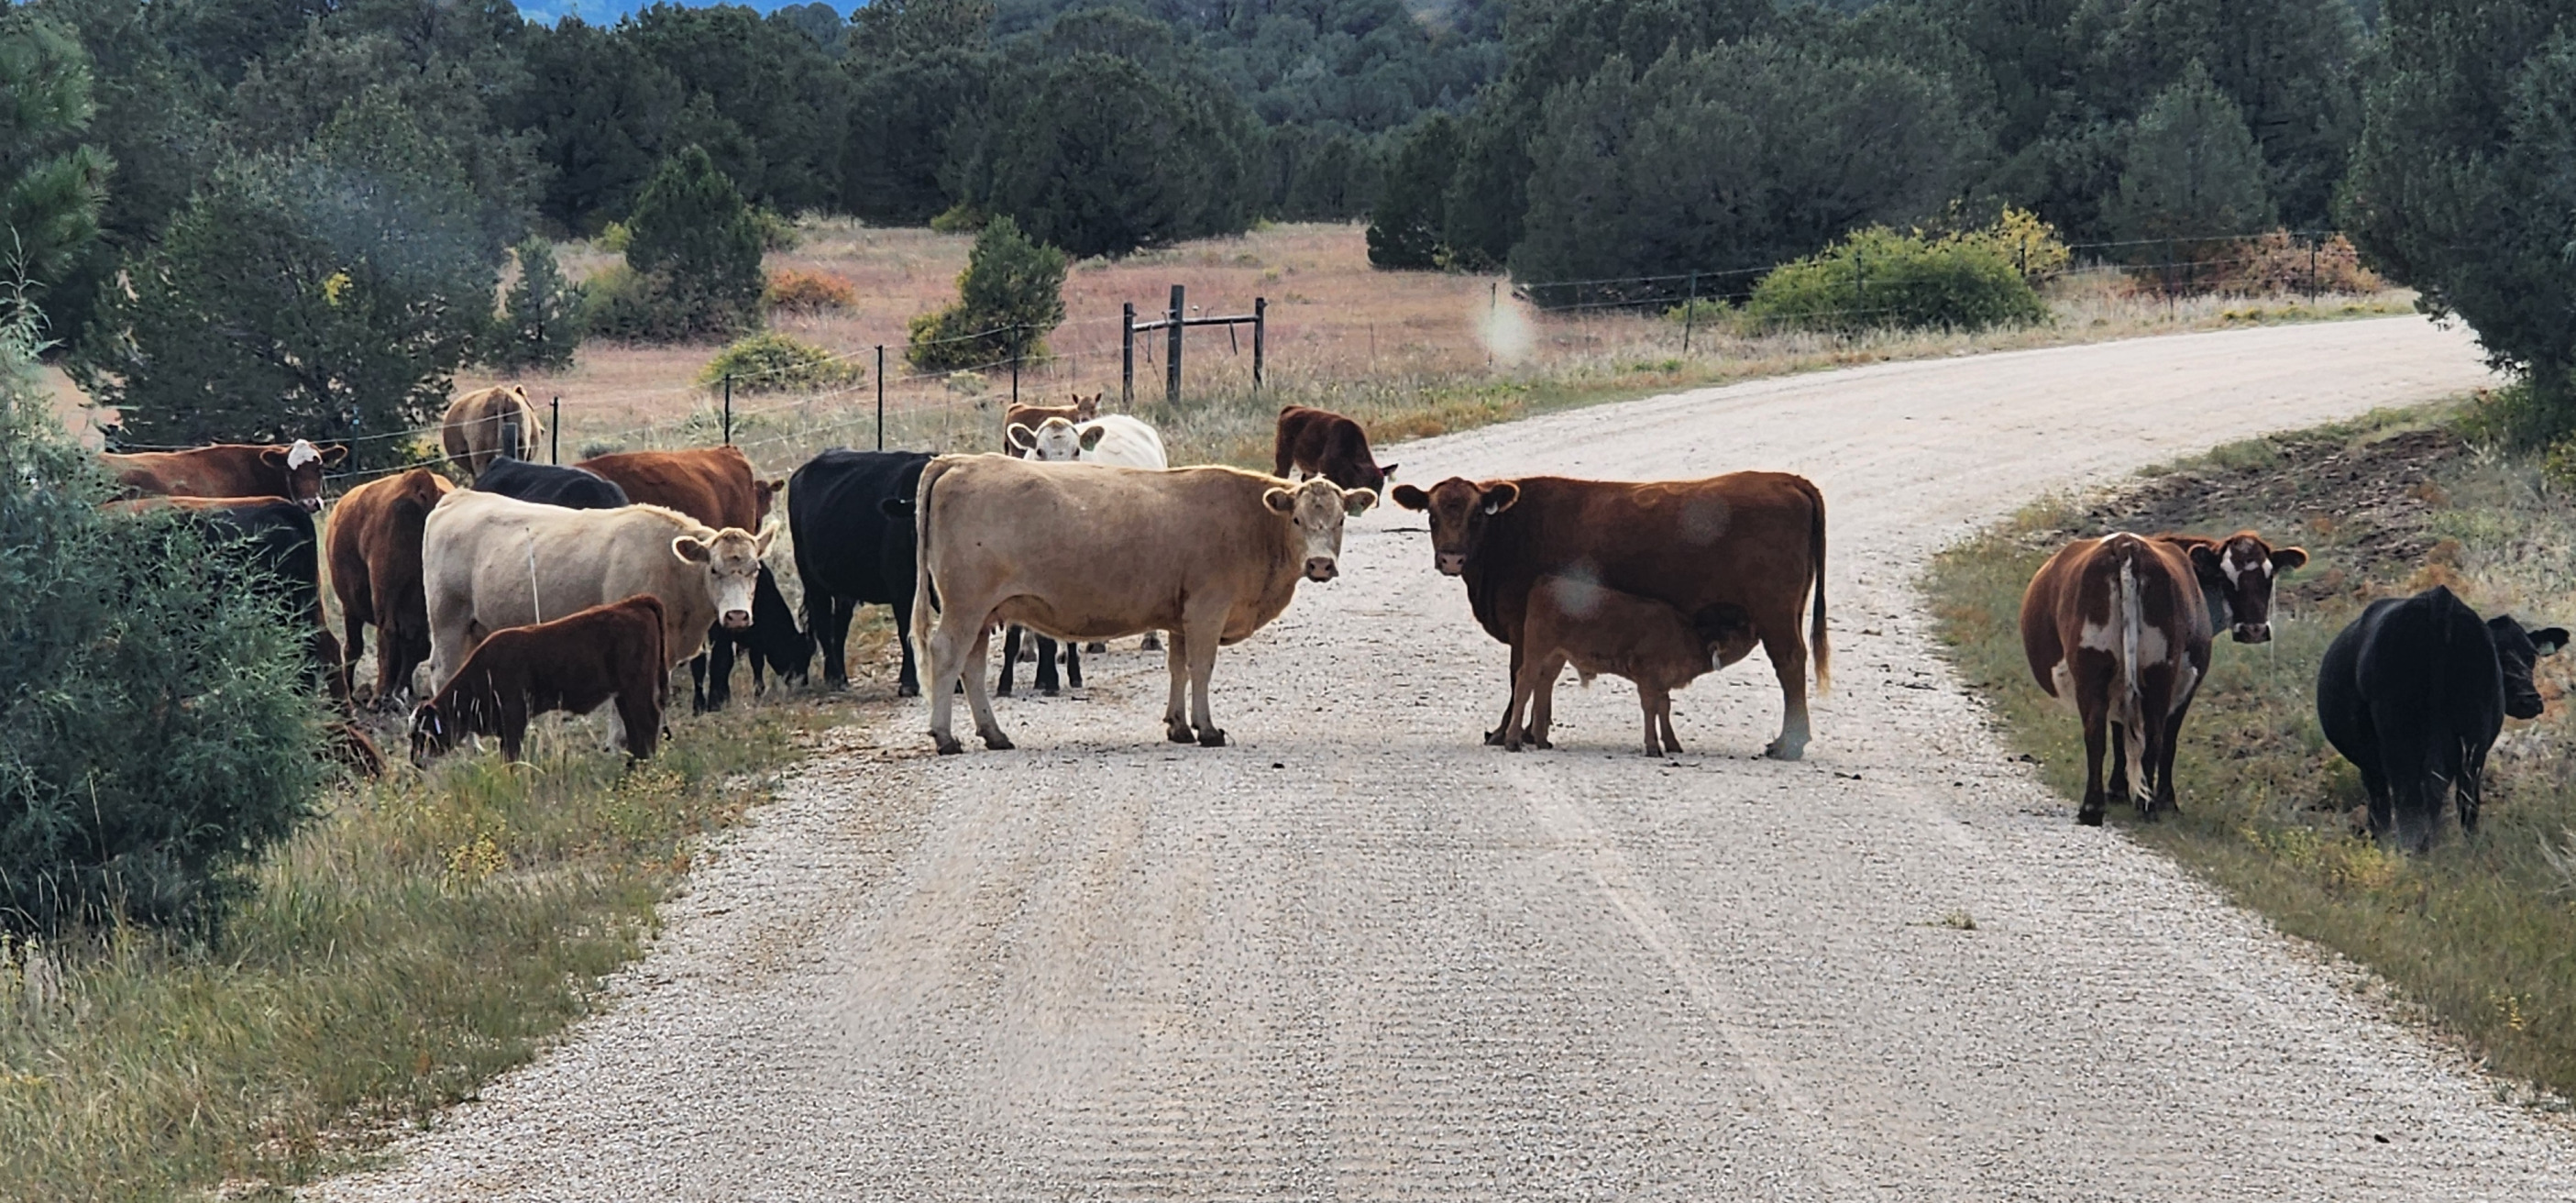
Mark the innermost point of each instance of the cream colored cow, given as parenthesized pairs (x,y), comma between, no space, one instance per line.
(1084,551)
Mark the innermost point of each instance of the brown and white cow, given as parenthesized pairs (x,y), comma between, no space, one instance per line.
(1084,551)
(1751,540)
(293,471)
(1319,442)
(1574,621)
(490,423)
(489,562)
(574,663)
(372,542)
(2119,630)
(1081,409)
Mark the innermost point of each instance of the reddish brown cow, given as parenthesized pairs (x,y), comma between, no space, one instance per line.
(2119,629)
(1319,442)
(1083,409)
(1597,630)
(574,663)
(1751,540)
(373,543)
(293,472)
(711,484)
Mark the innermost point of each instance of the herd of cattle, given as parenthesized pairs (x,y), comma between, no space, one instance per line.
(544,587)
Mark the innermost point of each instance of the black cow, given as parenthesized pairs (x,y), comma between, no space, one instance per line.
(549,484)
(2413,694)
(265,545)
(850,515)
(771,640)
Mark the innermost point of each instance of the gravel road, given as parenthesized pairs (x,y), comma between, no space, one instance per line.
(1360,955)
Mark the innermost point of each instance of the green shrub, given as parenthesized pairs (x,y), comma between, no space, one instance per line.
(692,260)
(1010,295)
(156,730)
(771,362)
(541,317)
(615,238)
(1880,278)
(777,230)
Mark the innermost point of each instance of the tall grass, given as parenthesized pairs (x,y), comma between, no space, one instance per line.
(429,932)
(2481,932)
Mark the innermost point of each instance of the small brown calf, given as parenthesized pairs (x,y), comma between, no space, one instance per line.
(574,663)
(1601,630)
(1319,442)
(1083,409)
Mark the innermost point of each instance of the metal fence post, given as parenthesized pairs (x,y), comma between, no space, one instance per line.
(1015,365)
(880,396)
(1690,312)
(1172,370)
(554,435)
(728,409)
(1127,356)
(1260,333)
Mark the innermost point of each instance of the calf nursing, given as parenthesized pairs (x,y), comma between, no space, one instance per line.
(1602,630)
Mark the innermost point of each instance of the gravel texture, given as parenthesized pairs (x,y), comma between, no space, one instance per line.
(1360,955)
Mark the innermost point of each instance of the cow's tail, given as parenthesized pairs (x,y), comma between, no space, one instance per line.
(2129,706)
(925,595)
(1817,643)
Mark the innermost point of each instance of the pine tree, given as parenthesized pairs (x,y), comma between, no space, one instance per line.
(540,325)
(2193,170)
(1406,227)
(697,247)
(51,186)
(1009,297)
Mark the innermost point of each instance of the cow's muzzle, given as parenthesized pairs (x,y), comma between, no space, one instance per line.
(1450,563)
(2253,632)
(312,505)
(1321,568)
(2524,706)
(735,620)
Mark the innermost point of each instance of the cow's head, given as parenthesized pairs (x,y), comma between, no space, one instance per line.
(2236,575)
(763,493)
(1459,510)
(301,463)
(731,558)
(1317,507)
(1054,441)
(775,636)
(436,726)
(2518,650)
(1086,408)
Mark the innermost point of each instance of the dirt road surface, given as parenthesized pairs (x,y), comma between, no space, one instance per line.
(1358,955)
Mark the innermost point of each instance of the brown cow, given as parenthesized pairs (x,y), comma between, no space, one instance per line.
(1572,620)
(372,541)
(1319,442)
(1751,540)
(1088,551)
(1083,409)
(2119,630)
(714,485)
(293,471)
(574,664)
(490,423)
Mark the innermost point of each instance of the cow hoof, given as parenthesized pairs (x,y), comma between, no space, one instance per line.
(1048,690)
(2090,816)
(947,744)
(1094,646)
(1657,753)
(1494,736)
(1180,733)
(996,741)
(1211,737)
(1781,749)
(1511,745)
(903,691)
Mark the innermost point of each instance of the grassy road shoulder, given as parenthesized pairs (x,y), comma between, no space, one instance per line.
(2480,932)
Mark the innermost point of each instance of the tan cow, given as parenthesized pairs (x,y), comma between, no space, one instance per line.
(490,562)
(489,423)
(1087,551)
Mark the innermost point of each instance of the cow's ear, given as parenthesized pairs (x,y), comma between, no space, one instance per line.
(1386,470)
(1502,497)
(2289,559)
(333,454)
(1411,498)
(895,507)
(1280,501)
(2547,640)
(2204,558)
(274,457)
(1020,436)
(1356,502)
(1091,438)
(760,543)
(691,548)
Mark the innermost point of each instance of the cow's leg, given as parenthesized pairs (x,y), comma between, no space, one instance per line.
(1073,666)
(2374,782)
(1010,657)
(1048,682)
(1542,713)
(949,642)
(1498,734)
(719,655)
(907,682)
(1787,648)
(1664,719)
(1652,700)
(2095,714)
(353,646)
(698,681)
(1515,727)
(2469,785)
(1206,632)
(978,700)
(1176,659)
(828,616)
(2161,770)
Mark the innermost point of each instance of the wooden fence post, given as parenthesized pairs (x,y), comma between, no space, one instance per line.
(1172,370)
(1127,357)
(880,396)
(554,435)
(1260,333)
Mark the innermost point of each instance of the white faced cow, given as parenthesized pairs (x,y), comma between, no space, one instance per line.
(1080,551)
(489,562)
(1114,439)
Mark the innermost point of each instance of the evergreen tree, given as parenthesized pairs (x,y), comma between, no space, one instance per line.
(1009,297)
(901,113)
(2462,189)
(768,103)
(540,325)
(326,294)
(2193,170)
(1412,207)
(51,183)
(602,112)
(697,245)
